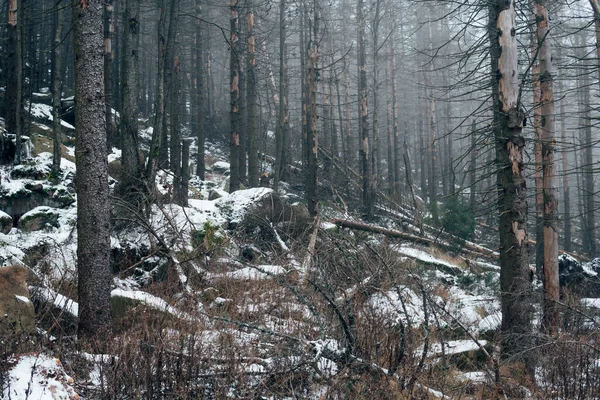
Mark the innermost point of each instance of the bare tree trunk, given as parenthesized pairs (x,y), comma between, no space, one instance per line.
(473,167)
(234,76)
(14,84)
(93,215)
(364,151)
(312,142)
(109,55)
(281,111)
(130,185)
(551,318)
(512,188)
(390,130)
(56,91)
(253,112)
(396,133)
(159,107)
(565,178)
(537,145)
(198,95)
(375,156)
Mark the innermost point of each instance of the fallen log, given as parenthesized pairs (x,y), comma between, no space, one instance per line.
(470,248)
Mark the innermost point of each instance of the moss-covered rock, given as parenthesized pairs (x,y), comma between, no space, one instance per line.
(39,218)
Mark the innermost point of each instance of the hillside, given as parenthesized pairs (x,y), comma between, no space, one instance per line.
(242,295)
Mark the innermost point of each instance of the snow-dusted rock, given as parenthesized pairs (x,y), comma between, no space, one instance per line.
(39,218)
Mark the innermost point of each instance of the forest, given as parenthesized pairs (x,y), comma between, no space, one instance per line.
(299,199)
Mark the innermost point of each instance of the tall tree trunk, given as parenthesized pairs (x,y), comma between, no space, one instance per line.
(130,185)
(281,111)
(312,142)
(253,112)
(551,318)
(93,221)
(109,29)
(159,107)
(235,120)
(390,130)
(539,179)
(14,75)
(375,156)
(567,246)
(56,91)
(512,189)
(396,133)
(364,150)
(473,167)
(198,95)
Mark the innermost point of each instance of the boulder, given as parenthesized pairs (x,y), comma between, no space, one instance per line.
(39,218)
(580,279)
(6,222)
(17,315)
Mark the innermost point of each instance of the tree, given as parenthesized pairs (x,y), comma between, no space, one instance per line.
(512,187)
(56,91)
(234,99)
(253,111)
(130,185)
(312,138)
(93,221)
(109,55)
(14,75)
(551,283)
(364,152)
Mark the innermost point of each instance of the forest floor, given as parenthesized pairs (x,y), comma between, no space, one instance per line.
(243,295)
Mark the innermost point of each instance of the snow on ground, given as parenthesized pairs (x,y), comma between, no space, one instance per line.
(58,300)
(257,272)
(452,347)
(44,111)
(402,305)
(39,377)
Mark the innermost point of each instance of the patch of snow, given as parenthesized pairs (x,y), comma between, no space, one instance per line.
(44,111)
(114,155)
(39,377)
(258,272)
(22,299)
(451,347)
(236,205)
(390,305)
(58,300)
(475,376)
(589,302)
(491,322)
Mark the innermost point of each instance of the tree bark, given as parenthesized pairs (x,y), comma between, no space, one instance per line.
(512,188)
(551,318)
(364,148)
(198,95)
(281,111)
(312,142)
(159,107)
(109,29)
(56,92)
(235,120)
(130,185)
(93,214)
(253,112)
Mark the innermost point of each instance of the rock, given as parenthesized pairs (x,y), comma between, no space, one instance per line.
(6,222)
(17,315)
(215,194)
(39,218)
(580,279)
(18,200)
(221,167)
